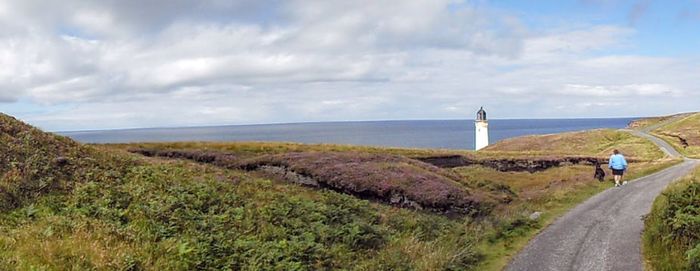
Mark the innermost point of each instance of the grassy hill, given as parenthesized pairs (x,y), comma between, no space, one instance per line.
(596,143)
(34,163)
(252,206)
(683,134)
(73,207)
(517,193)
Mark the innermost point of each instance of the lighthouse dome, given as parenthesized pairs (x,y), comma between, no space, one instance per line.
(481,114)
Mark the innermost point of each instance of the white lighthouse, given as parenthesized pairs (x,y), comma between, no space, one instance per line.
(482,130)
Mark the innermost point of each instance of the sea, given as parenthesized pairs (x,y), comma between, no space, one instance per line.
(442,134)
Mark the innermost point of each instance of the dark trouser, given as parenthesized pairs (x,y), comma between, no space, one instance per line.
(618,172)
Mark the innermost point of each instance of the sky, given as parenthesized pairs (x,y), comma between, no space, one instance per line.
(82,65)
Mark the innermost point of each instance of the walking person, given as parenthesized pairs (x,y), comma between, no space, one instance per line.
(618,165)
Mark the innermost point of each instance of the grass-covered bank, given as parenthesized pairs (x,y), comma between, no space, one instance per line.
(180,216)
(597,143)
(499,235)
(68,206)
(671,239)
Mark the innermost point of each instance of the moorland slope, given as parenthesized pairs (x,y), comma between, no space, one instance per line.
(683,133)
(252,206)
(513,177)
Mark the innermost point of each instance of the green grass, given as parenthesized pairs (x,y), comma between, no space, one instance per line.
(502,234)
(66,206)
(105,209)
(671,239)
(595,143)
(181,216)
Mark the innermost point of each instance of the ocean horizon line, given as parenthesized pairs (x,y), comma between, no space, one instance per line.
(320,122)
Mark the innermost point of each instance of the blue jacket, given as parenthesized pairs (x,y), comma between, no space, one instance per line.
(617,161)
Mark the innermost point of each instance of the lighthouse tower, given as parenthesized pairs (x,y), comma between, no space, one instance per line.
(482,130)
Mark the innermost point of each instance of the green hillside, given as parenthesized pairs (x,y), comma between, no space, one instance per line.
(517,193)
(596,143)
(73,207)
(270,206)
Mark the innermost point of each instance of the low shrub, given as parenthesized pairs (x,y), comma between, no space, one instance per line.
(508,229)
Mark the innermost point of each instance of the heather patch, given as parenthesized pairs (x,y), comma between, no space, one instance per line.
(217,158)
(390,179)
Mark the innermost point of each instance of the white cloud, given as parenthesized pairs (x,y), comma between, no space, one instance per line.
(563,46)
(630,91)
(162,63)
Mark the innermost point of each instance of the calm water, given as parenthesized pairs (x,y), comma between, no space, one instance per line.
(448,134)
